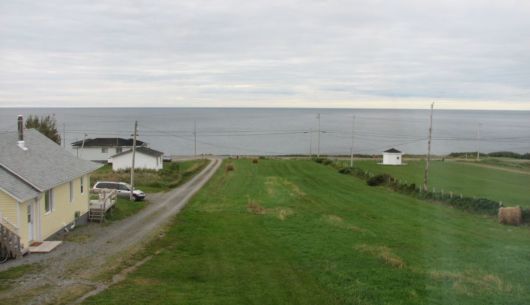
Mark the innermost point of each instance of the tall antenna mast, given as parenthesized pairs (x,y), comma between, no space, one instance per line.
(428,159)
(195,139)
(133,156)
(352,137)
(478,142)
(318,136)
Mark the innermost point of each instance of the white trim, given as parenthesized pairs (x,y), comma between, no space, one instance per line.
(18,214)
(38,218)
(54,186)
(12,196)
(20,177)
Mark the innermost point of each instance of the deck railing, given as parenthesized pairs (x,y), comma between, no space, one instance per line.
(9,238)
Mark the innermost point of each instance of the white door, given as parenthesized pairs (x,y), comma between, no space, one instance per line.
(30,222)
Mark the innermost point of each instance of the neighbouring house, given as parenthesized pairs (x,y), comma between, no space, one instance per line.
(145,158)
(392,157)
(101,149)
(43,188)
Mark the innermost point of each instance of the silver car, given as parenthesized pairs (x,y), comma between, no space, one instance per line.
(124,189)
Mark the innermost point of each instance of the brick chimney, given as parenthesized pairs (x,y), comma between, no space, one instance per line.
(20,141)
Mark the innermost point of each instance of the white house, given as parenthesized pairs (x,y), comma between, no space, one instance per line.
(101,149)
(145,158)
(392,157)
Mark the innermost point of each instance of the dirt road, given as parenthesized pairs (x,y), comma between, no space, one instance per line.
(72,269)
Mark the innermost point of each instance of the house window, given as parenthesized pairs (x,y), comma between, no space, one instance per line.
(82,185)
(104,150)
(48,201)
(71,191)
(119,150)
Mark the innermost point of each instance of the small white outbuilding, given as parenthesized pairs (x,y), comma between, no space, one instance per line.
(145,158)
(392,157)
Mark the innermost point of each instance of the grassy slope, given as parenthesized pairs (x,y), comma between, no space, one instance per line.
(325,238)
(125,208)
(468,179)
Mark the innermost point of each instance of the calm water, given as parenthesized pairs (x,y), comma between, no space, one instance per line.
(286,131)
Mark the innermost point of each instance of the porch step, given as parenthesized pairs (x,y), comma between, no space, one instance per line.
(96,215)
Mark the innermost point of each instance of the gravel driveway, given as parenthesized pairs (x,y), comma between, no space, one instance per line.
(71,270)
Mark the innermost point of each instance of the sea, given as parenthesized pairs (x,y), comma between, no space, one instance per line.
(281,131)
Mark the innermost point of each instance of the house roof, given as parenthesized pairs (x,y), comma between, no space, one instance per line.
(107,142)
(43,165)
(392,150)
(143,150)
(16,187)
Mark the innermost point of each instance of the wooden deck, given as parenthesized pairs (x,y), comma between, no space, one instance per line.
(99,207)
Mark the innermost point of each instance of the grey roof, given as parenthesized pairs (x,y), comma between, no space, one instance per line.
(144,150)
(16,187)
(392,150)
(108,142)
(44,164)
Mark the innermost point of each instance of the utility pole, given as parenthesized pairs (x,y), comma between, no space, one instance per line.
(352,137)
(195,139)
(310,143)
(428,160)
(131,197)
(82,145)
(318,136)
(478,142)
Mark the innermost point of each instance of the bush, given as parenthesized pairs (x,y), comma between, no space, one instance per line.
(230,168)
(480,205)
(255,161)
(327,161)
(346,170)
(379,180)
(319,160)
(526,215)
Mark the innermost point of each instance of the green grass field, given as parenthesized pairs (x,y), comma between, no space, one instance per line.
(296,232)
(512,188)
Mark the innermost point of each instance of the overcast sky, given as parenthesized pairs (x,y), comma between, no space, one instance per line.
(471,54)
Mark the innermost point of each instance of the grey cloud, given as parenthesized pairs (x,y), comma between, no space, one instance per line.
(210,53)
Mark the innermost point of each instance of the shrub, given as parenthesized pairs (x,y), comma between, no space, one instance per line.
(319,160)
(526,215)
(327,161)
(379,180)
(255,161)
(230,168)
(346,170)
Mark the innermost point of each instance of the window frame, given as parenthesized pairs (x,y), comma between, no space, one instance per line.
(71,188)
(48,201)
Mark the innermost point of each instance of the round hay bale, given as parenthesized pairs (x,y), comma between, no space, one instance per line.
(511,216)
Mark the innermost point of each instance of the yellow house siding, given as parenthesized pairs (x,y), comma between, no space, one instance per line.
(8,207)
(63,211)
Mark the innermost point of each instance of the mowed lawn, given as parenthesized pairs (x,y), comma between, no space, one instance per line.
(512,188)
(297,232)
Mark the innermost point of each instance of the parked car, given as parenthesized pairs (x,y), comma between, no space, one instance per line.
(124,189)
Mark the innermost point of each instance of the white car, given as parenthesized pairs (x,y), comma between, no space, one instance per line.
(124,189)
